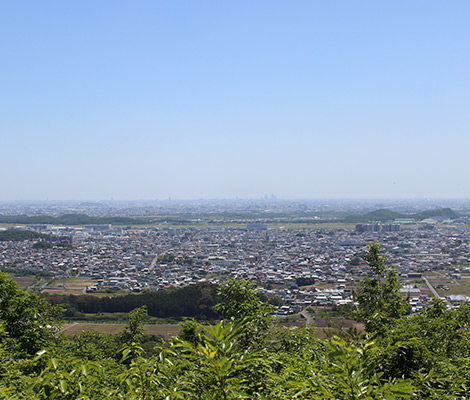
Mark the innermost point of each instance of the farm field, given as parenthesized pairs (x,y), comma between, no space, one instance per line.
(455,286)
(69,286)
(24,281)
(167,331)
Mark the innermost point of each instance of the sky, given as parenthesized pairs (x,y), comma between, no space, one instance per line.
(152,99)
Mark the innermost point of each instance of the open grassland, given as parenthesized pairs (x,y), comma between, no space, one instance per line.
(167,331)
(69,286)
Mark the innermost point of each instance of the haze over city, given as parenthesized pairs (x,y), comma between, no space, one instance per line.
(152,100)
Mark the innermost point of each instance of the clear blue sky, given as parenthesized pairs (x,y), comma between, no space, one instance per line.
(221,99)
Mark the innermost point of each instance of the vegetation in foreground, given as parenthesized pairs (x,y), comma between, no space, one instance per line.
(425,356)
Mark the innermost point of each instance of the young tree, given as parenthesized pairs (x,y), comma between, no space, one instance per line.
(379,300)
(190,330)
(29,321)
(134,331)
(222,368)
(241,301)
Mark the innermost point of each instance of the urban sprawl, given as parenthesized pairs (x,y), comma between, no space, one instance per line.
(304,267)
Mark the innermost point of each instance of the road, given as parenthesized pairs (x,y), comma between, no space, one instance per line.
(431,287)
(152,264)
(433,291)
(304,313)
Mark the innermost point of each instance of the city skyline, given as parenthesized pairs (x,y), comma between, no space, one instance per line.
(207,100)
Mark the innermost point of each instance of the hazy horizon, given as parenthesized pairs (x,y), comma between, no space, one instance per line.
(224,100)
(262,198)
(244,199)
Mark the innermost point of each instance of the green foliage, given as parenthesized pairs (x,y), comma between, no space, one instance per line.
(70,219)
(166,257)
(441,212)
(134,331)
(152,378)
(179,260)
(189,331)
(424,356)
(11,235)
(26,272)
(276,301)
(65,379)
(382,215)
(304,281)
(50,245)
(241,301)
(349,375)
(220,362)
(379,300)
(185,261)
(28,320)
(189,301)
(88,345)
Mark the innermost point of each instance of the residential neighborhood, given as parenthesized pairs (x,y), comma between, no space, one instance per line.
(303,267)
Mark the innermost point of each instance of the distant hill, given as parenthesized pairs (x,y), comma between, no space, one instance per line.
(70,219)
(447,213)
(384,215)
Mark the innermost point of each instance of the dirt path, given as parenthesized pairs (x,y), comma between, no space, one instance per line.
(68,327)
(304,313)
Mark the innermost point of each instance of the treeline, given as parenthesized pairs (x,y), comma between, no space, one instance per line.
(70,219)
(51,245)
(196,301)
(304,281)
(179,260)
(26,272)
(12,235)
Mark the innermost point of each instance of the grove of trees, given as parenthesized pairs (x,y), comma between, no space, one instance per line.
(189,301)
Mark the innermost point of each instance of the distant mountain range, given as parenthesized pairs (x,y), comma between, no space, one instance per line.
(384,215)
